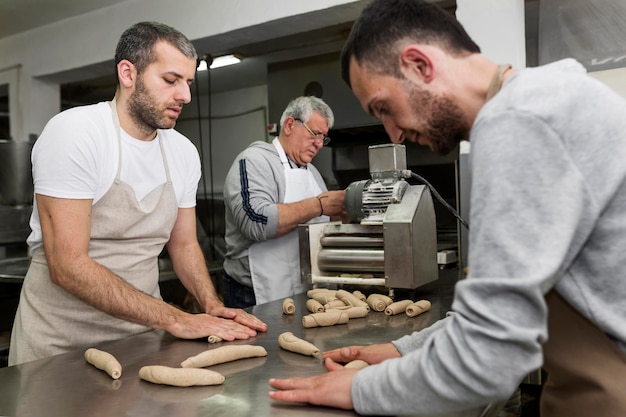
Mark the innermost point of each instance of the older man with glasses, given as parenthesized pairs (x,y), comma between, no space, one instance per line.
(269,190)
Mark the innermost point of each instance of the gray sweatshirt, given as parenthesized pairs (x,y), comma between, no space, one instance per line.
(548,211)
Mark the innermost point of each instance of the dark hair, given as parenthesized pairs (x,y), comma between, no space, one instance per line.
(372,40)
(137,44)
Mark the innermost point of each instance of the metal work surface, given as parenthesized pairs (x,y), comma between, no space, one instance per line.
(67,386)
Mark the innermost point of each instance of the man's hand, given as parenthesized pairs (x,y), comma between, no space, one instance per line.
(196,326)
(371,354)
(240,316)
(332,389)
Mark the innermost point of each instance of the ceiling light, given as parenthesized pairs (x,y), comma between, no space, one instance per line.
(220,61)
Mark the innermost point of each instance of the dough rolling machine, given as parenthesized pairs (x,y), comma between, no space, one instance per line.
(392,239)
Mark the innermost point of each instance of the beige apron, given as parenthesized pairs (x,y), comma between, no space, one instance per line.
(275,263)
(126,237)
(586,369)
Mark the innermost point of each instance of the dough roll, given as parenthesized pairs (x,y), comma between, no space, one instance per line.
(336,303)
(223,354)
(314,306)
(327,318)
(397,307)
(350,299)
(289,342)
(104,361)
(353,312)
(311,293)
(378,302)
(214,339)
(417,307)
(356,364)
(358,294)
(324,297)
(180,377)
(289,307)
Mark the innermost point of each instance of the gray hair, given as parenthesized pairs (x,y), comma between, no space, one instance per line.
(137,44)
(303,107)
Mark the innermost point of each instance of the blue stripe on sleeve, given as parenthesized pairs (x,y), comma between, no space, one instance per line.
(245,195)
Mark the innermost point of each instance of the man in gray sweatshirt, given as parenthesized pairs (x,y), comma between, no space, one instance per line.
(546,284)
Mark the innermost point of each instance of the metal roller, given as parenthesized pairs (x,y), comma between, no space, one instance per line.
(351,260)
(352,241)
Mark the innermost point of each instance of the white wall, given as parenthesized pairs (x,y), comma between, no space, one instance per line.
(91,38)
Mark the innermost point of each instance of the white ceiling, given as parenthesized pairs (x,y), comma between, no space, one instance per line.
(21,15)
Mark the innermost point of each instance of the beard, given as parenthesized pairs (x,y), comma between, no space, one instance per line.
(144,109)
(445,127)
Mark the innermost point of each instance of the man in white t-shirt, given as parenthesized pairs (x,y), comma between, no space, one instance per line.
(115,184)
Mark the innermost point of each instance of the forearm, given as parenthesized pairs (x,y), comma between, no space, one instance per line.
(292,214)
(190,267)
(113,295)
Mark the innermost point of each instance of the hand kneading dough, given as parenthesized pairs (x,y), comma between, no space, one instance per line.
(357,364)
(104,361)
(314,306)
(417,307)
(397,307)
(289,307)
(180,377)
(223,354)
(288,341)
(378,302)
(327,318)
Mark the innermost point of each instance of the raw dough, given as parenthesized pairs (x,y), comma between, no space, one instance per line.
(311,293)
(358,294)
(397,307)
(337,303)
(288,341)
(356,364)
(223,354)
(350,299)
(314,306)
(180,377)
(104,361)
(214,339)
(378,302)
(417,307)
(289,307)
(353,312)
(327,318)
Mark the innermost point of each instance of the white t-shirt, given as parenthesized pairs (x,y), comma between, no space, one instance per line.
(77,157)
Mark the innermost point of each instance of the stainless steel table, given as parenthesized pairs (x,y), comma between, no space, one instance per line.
(66,386)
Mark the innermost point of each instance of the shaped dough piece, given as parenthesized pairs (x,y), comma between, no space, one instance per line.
(358,294)
(214,339)
(311,293)
(357,364)
(378,302)
(397,307)
(336,303)
(180,377)
(350,299)
(327,318)
(104,361)
(417,307)
(289,342)
(314,306)
(223,354)
(289,307)
(353,312)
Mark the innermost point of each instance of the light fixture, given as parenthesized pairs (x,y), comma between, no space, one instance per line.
(220,61)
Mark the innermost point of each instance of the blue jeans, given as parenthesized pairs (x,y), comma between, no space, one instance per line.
(237,295)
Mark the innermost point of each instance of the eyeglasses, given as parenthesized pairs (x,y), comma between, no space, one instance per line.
(325,139)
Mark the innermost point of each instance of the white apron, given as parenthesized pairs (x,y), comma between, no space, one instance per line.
(127,237)
(275,263)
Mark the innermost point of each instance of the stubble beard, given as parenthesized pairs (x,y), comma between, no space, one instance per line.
(144,110)
(445,127)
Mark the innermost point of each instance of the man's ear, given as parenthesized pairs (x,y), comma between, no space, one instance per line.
(416,62)
(127,73)
(288,125)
